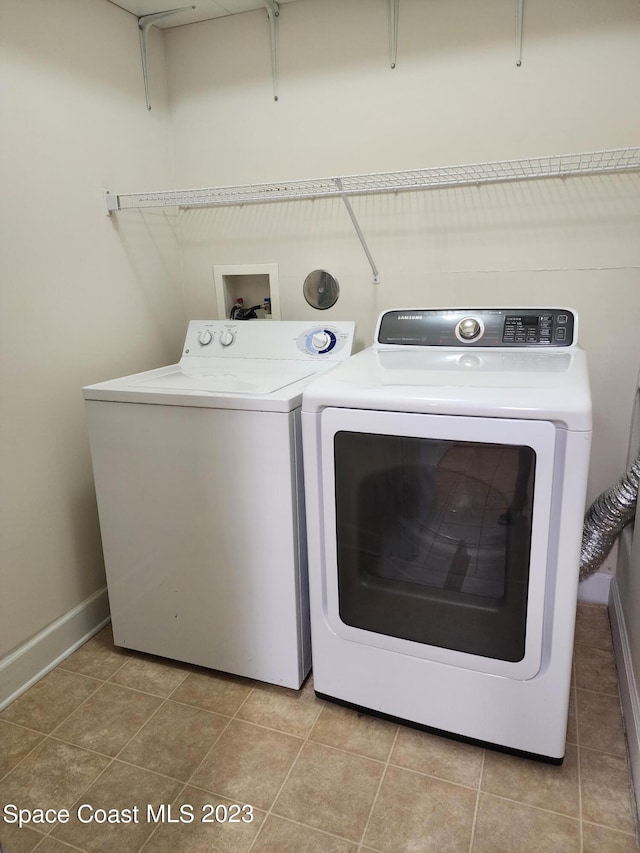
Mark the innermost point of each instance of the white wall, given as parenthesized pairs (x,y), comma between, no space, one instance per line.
(82,297)
(456,96)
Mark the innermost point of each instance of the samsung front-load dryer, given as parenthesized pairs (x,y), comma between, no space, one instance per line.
(445,474)
(198,479)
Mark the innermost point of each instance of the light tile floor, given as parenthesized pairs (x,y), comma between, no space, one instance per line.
(130,734)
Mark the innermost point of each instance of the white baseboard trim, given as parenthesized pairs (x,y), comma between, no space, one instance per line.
(628,686)
(595,589)
(35,658)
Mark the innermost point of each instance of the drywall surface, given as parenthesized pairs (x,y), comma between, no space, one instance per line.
(455,97)
(83,298)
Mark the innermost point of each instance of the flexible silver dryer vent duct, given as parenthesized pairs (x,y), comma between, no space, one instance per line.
(606,517)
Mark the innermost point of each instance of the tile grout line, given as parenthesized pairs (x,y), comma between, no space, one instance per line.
(149,838)
(537,808)
(127,657)
(606,646)
(51,737)
(65,843)
(112,758)
(269,811)
(187,783)
(305,741)
(46,735)
(477,806)
(379,788)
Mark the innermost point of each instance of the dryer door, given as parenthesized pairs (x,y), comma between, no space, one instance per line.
(437,534)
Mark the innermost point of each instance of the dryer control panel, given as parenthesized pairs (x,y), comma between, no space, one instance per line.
(482,327)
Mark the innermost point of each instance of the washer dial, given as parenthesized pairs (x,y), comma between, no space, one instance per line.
(205,337)
(319,341)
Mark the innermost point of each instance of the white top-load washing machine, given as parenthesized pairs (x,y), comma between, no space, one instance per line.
(198,477)
(445,475)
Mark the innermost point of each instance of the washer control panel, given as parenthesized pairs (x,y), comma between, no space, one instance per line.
(482,327)
(268,339)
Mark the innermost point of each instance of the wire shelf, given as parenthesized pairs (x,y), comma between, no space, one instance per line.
(555,166)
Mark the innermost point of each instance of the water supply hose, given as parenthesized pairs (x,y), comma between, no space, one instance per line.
(240,313)
(606,517)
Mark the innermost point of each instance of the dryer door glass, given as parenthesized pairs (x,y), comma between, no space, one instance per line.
(433,540)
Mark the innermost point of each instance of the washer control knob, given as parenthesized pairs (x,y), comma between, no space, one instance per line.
(205,337)
(469,328)
(227,337)
(320,340)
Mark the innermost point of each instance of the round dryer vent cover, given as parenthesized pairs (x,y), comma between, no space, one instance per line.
(321,290)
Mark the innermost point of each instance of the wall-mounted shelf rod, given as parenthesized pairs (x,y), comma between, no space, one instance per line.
(519,31)
(356,225)
(144,24)
(555,166)
(394,10)
(273,13)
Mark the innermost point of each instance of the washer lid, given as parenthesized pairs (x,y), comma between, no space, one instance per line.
(229,376)
(255,385)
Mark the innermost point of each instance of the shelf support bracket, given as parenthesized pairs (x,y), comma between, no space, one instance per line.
(363,242)
(144,24)
(394,9)
(273,13)
(111,202)
(519,31)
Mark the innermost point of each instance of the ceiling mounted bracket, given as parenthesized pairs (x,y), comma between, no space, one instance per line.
(363,242)
(144,24)
(273,13)
(519,31)
(394,9)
